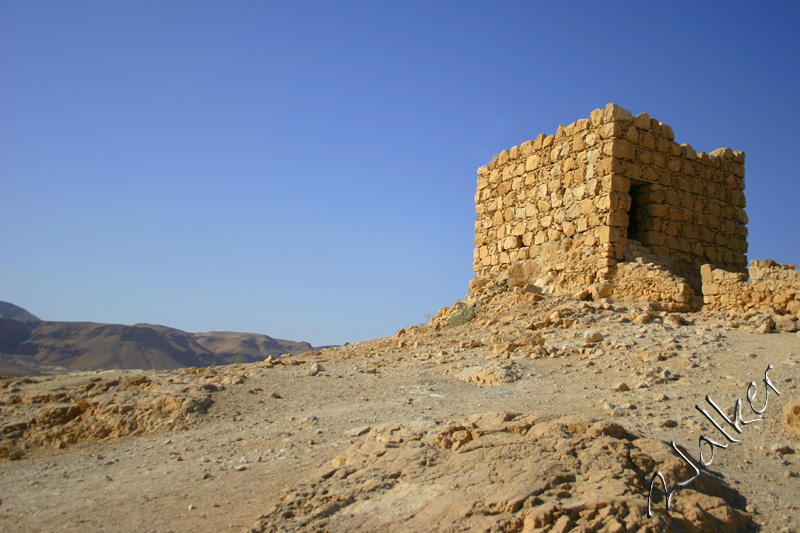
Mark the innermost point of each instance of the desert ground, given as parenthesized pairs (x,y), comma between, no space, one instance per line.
(513,412)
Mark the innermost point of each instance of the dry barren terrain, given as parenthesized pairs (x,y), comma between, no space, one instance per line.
(518,412)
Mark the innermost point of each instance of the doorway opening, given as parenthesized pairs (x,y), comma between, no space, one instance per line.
(637,212)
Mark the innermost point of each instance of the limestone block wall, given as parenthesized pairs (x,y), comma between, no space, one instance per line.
(686,204)
(554,189)
(571,202)
(771,288)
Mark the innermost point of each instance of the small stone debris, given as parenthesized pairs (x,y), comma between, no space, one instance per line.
(357,431)
(781,449)
(620,387)
(593,336)
(309,420)
(504,347)
(275,395)
(240,468)
(764,328)
(314,369)
(582,294)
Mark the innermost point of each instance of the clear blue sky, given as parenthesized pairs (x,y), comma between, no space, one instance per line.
(307,169)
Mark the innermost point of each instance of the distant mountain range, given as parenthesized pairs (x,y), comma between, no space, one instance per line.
(29,345)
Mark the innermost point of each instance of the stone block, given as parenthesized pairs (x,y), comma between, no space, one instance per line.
(611,130)
(596,117)
(620,148)
(725,153)
(613,113)
(642,121)
(618,219)
(511,242)
(785,323)
(607,234)
(616,182)
(601,290)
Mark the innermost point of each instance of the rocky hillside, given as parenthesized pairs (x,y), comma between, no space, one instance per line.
(511,411)
(30,346)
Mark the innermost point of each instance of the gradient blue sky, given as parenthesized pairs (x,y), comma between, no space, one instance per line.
(307,169)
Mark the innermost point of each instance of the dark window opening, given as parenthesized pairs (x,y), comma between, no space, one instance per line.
(636,213)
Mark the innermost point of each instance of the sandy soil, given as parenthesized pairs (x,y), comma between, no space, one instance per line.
(257,457)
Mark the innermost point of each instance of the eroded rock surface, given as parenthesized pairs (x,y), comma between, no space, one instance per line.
(511,417)
(499,472)
(95,406)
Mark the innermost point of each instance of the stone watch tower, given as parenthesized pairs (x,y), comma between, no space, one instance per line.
(614,205)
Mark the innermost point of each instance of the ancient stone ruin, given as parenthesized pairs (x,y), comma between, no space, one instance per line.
(612,206)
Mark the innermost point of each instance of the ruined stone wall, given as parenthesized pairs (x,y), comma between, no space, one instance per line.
(555,189)
(771,288)
(572,204)
(687,205)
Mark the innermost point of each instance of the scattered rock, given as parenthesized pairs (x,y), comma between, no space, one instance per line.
(669,376)
(643,318)
(582,294)
(470,344)
(785,323)
(763,328)
(492,374)
(593,336)
(601,290)
(357,431)
(781,449)
(504,347)
(620,387)
(791,414)
(314,369)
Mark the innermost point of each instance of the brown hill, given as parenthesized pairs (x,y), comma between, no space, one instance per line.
(9,310)
(28,347)
(248,347)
